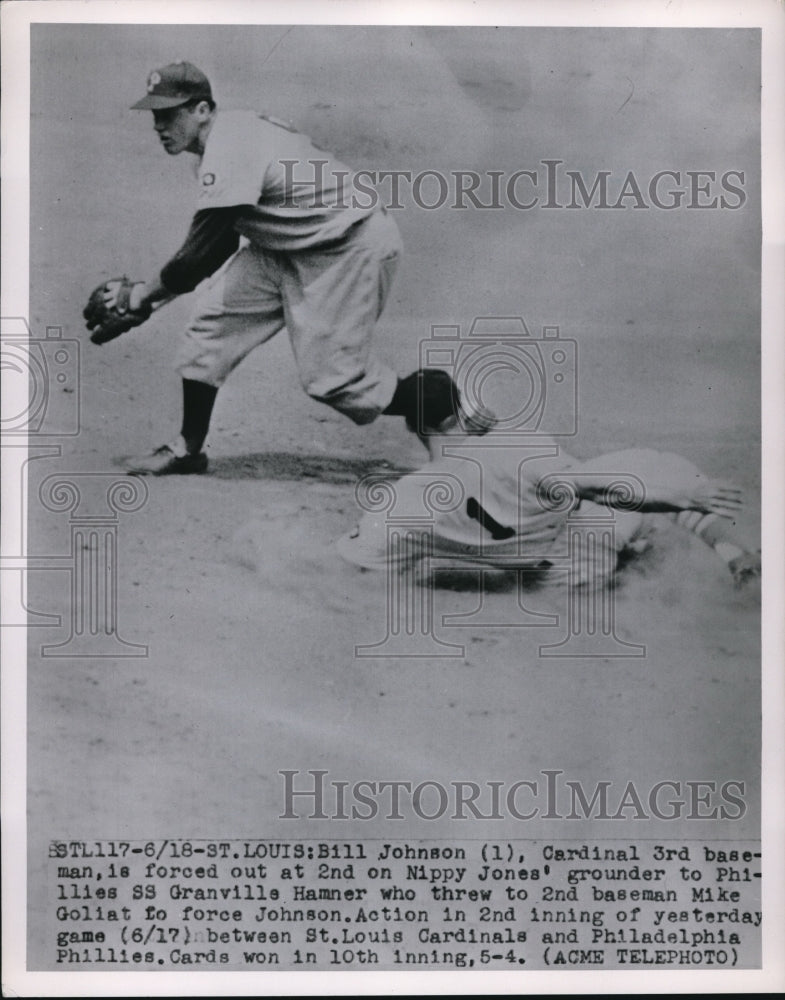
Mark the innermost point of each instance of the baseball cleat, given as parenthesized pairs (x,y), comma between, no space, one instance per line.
(745,568)
(168,460)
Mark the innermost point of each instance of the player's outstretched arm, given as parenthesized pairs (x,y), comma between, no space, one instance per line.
(707,508)
(211,240)
(652,496)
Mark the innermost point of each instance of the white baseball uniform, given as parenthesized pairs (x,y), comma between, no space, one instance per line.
(312,261)
(488,502)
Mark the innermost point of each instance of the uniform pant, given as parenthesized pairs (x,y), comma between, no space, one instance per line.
(329,300)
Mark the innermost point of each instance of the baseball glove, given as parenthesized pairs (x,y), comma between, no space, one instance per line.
(108,312)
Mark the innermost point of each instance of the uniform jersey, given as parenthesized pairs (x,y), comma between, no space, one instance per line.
(309,265)
(482,500)
(295,196)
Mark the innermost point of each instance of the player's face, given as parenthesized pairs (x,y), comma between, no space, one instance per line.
(178,129)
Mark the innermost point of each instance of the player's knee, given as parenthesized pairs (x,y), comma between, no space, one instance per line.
(342,394)
(595,570)
(669,461)
(329,387)
(627,526)
(676,468)
(647,464)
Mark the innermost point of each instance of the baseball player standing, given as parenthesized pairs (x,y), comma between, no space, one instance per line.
(283,244)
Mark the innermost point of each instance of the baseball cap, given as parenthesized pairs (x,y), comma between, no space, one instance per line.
(425,398)
(173,85)
(428,396)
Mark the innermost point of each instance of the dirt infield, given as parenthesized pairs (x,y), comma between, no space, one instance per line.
(251,666)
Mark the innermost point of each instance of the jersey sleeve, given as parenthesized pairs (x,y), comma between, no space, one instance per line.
(235,160)
(211,240)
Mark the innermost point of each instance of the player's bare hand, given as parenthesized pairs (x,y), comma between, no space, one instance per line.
(714,497)
(122,298)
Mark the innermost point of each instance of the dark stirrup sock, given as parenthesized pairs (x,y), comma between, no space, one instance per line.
(198,402)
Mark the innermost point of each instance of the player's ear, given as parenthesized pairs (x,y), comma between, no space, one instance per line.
(201,111)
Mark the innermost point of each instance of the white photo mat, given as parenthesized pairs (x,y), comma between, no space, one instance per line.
(191,736)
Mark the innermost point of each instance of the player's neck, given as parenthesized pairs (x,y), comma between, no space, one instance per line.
(201,139)
(437,442)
